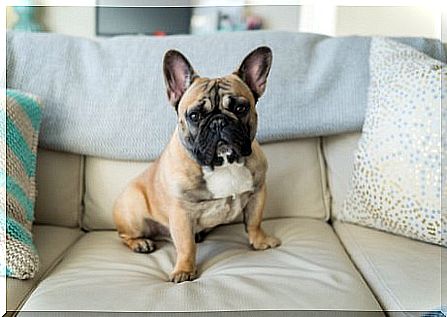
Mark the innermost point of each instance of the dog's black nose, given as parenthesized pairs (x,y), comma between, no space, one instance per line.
(218,123)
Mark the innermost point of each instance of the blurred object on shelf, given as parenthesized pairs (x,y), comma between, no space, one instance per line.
(209,19)
(231,19)
(26,20)
(159,33)
(254,22)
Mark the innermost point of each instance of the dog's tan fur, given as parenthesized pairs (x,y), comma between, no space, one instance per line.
(158,202)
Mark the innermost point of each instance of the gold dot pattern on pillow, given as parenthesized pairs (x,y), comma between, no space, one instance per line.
(396,183)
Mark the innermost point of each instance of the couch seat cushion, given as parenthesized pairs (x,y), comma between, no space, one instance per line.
(310,270)
(51,243)
(404,274)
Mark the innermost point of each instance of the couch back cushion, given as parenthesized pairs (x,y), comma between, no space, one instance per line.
(296,185)
(339,153)
(59,183)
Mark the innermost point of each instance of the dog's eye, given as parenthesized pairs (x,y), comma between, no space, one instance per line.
(194,116)
(240,109)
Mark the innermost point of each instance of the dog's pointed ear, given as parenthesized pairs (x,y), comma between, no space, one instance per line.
(255,68)
(178,74)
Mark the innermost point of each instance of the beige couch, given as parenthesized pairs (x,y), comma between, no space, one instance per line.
(322,265)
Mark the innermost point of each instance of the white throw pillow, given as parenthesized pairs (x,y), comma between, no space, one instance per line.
(396,183)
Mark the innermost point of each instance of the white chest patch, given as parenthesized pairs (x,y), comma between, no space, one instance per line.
(228,180)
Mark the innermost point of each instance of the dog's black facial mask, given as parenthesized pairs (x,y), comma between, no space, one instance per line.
(217,117)
(218,138)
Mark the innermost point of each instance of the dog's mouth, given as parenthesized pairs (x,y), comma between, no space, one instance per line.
(225,154)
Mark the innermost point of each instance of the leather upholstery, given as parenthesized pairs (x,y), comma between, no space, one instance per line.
(310,270)
(59,179)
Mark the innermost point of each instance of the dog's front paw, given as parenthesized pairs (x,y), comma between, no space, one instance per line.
(178,276)
(262,242)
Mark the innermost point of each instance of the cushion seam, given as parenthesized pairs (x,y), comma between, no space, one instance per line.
(81,192)
(372,266)
(326,189)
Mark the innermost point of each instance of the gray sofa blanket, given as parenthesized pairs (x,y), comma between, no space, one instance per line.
(107,98)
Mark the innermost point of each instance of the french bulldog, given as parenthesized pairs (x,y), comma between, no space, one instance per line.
(212,169)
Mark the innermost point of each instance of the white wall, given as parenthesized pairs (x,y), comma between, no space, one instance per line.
(78,21)
(318,19)
(390,21)
(444,25)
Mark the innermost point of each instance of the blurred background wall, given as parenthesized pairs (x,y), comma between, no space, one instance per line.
(332,20)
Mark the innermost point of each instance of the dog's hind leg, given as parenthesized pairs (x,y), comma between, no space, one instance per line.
(132,218)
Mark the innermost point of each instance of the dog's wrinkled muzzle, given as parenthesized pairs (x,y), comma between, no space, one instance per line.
(221,140)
